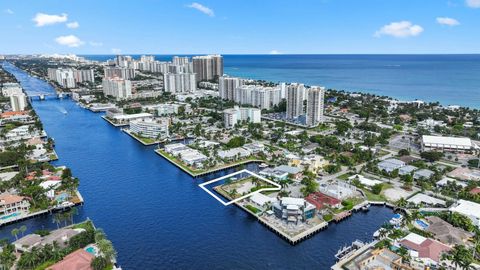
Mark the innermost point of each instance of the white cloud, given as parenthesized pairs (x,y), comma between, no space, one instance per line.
(9,11)
(116,51)
(202,9)
(73,25)
(70,41)
(447,21)
(95,44)
(400,29)
(275,52)
(473,3)
(42,19)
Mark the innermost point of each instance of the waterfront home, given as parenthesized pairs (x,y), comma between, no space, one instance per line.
(11,204)
(293,210)
(372,258)
(409,169)
(60,236)
(19,116)
(320,200)
(274,174)
(446,232)
(423,174)
(389,165)
(77,260)
(261,200)
(233,153)
(294,172)
(469,209)
(186,154)
(18,133)
(50,186)
(420,199)
(426,250)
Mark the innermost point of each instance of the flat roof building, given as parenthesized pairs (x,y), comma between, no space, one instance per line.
(447,143)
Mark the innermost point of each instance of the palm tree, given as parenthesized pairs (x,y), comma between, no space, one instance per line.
(57,218)
(106,248)
(461,257)
(23,228)
(15,233)
(402,203)
(99,235)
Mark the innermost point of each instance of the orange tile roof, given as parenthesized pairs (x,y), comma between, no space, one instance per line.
(10,198)
(8,114)
(77,260)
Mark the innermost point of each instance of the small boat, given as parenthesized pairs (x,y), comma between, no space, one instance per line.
(366,208)
(263,165)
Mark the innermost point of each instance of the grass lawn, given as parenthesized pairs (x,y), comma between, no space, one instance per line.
(252,208)
(374,197)
(345,176)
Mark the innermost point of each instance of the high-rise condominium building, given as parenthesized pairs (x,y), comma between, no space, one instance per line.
(179,60)
(119,72)
(63,76)
(236,114)
(227,86)
(179,83)
(315,105)
(147,58)
(18,102)
(117,87)
(295,97)
(83,75)
(208,67)
(257,95)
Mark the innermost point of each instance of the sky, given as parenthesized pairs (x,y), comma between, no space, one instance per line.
(239,26)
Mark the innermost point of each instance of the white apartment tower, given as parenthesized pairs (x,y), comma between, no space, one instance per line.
(117,87)
(295,97)
(232,116)
(227,86)
(315,105)
(179,83)
(18,102)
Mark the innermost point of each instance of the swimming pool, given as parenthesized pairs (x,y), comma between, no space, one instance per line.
(91,250)
(10,216)
(421,223)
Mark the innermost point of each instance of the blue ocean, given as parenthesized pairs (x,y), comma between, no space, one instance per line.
(448,79)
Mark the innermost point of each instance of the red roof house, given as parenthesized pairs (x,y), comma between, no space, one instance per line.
(321,200)
(77,260)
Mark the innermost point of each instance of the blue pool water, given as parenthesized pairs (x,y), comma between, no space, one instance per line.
(156,215)
(90,250)
(10,216)
(421,223)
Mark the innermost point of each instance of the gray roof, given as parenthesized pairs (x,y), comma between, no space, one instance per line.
(447,233)
(288,169)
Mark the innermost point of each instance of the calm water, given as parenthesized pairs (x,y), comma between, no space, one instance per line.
(157,216)
(449,79)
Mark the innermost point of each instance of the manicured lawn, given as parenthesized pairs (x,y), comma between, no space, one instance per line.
(252,208)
